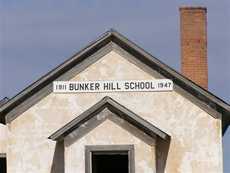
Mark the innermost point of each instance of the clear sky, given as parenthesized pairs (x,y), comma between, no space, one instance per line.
(37,35)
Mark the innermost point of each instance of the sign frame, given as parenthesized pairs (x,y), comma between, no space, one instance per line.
(100,86)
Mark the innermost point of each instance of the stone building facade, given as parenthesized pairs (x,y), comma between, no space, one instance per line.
(176,131)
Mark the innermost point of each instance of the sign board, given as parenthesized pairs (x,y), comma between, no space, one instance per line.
(112,86)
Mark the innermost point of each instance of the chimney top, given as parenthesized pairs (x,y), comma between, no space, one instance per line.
(193,8)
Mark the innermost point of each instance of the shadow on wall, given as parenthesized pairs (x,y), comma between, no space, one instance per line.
(162,154)
(99,119)
(162,146)
(58,164)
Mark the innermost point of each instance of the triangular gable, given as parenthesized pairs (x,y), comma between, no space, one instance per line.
(118,110)
(205,97)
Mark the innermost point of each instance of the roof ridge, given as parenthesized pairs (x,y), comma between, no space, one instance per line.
(205,97)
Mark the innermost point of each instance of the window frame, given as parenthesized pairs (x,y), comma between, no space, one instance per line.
(3,155)
(109,149)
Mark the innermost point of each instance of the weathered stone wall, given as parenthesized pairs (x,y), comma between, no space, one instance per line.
(109,131)
(3,138)
(196,136)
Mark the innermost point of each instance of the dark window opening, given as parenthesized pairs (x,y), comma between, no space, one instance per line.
(2,165)
(110,163)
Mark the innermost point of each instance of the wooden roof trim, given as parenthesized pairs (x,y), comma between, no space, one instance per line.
(203,95)
(118,110)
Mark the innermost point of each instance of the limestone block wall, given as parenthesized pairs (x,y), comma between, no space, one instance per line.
(110,131)
(196,136)
(3,138)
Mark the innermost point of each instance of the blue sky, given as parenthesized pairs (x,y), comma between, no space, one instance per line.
(38,35)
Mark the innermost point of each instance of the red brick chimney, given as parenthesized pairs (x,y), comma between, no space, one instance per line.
(193,26)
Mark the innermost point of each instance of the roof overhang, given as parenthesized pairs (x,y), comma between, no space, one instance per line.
(118,110)
(204,96)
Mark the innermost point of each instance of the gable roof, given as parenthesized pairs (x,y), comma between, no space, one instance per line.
(204,96)
(118,110)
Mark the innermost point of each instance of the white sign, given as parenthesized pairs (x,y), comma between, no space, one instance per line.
(112,86)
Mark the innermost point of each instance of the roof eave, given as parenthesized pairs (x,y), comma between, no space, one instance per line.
(205,96)
(119,110)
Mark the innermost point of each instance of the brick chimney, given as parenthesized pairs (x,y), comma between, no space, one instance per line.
(193,26)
